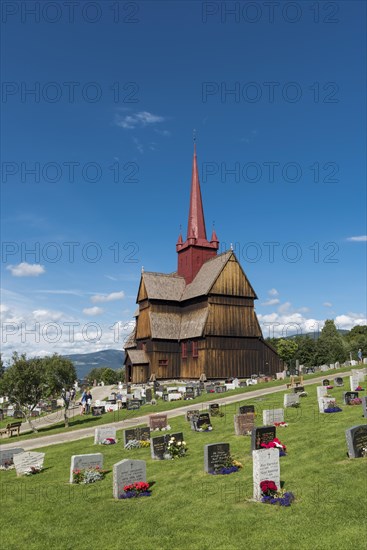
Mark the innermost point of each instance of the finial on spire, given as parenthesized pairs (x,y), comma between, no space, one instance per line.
(142,269)
(194,135)
(231,246)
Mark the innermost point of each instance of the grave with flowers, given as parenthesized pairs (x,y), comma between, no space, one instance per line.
(86,467)
(130,479)
(244,423)
(356,437)
(105,435)
(202,423)
(163,447)
(218,459)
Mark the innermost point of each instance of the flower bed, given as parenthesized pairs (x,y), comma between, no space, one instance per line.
(271,494)
(275,444)
(136,444)
(109,441)
(355,401)
(137,489)
(88,475)
(228,466)
(176,449)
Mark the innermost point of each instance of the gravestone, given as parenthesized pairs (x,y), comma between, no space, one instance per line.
(321,391)
(364,405)
(326,382)
(357,441)
(298,389)
(204,419)
(190,392)
(263,434)
(337,365)
(246,409)
(210,388)
(158,445)
(157,421)
(220,389)
(338,381)
(214,455)
(354,381)
(98,410)
(127,472)
(6,457)
(214,409)
(273,415)
(324,402)
(266,466)
(191,413)
(291,399)
(24,461)
(82,462)
(103,433)
(148,394)
(348,396)
(133,404)
(138,434)
(244,423)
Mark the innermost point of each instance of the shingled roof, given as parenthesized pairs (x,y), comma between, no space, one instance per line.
(138,357)
(206,277)
(160,286)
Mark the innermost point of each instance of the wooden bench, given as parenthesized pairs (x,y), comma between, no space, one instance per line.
(14,427)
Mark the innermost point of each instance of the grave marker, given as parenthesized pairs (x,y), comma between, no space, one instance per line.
(133,404)
(214,456)
(6,457)
(357,441)
(127,472)
(338,381)
(138,434)
(103,433)
(246,409)
(273,415)
(98,410)
(244,423)
(82,462)
(266,466)
(354,381)
(191,413)
(263,434)
(321,391)
(291,399)
(24,461)
(158,445)
(157,421)
(214,409)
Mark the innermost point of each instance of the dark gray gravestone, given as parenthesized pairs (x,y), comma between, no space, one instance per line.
(244,409)
(348,396)
(264,434)
(220,389)
(6,457)
(338,381)
(204,418)
(326,382)
(133,404)
(298,389)
(190,392)
(127,472)
(98,411)
(139,434)
(364,405)
(214,456)
(148,394)
(357,441)
(158,445)
(210,388)
(214,409)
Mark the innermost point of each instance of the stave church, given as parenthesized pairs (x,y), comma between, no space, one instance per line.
(198,322)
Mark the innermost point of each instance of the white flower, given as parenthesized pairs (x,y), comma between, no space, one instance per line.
(184,443)
(179,443)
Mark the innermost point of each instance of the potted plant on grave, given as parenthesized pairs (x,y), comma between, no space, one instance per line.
(176,449)
(275,444)
(136,490)
(229,465)
(271,495)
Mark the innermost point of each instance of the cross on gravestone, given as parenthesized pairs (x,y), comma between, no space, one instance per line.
(139,434)
(82,462)
(263,434)
(266,466)
(127,472)
(157,421)
(100,434)
(357,441)
(158,445)
(273,415)
(24,461)
(246,409)
(214,456)
(244,423)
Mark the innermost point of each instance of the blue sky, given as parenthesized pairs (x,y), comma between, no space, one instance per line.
(277,99)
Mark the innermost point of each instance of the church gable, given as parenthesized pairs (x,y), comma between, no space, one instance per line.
(142,292)
(232,281)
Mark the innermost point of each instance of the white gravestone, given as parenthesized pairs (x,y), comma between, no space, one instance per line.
(324,402)
(354,381)
(103,433)
(82,462)
(127,472)
(321,391)
(273,415)
(24,461)
(265,467)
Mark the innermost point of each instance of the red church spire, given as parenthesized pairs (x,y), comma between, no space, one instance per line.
(196,250)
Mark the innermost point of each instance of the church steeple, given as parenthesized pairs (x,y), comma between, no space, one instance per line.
(196,250)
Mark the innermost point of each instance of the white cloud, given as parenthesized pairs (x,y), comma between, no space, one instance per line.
(284,308)
(3,308)
(141,119)
(26,270)
(360,239)
(327,304)
(47,315)
(139,145)
(98,298)
(273,292)
(93,310)
(271,302)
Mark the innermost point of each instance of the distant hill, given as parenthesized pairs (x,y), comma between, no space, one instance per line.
(314,335)
(84,362)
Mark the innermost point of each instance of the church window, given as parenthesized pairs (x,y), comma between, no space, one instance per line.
(184,350)
(195,349)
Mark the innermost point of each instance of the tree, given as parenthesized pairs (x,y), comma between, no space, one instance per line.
(95,374)
(2,367)
(286,349)
(330,345)
(110,376)
(306,350)
(24,383)
(356,339)
(60,376)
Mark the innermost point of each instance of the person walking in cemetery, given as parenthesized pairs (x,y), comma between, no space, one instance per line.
(83,402)
(89,401)
(360,355)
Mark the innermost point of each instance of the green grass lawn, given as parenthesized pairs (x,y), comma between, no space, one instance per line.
(193,510)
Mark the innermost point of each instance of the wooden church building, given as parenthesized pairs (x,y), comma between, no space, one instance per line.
(200,319)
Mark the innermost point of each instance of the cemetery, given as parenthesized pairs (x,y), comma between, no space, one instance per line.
(98,484)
